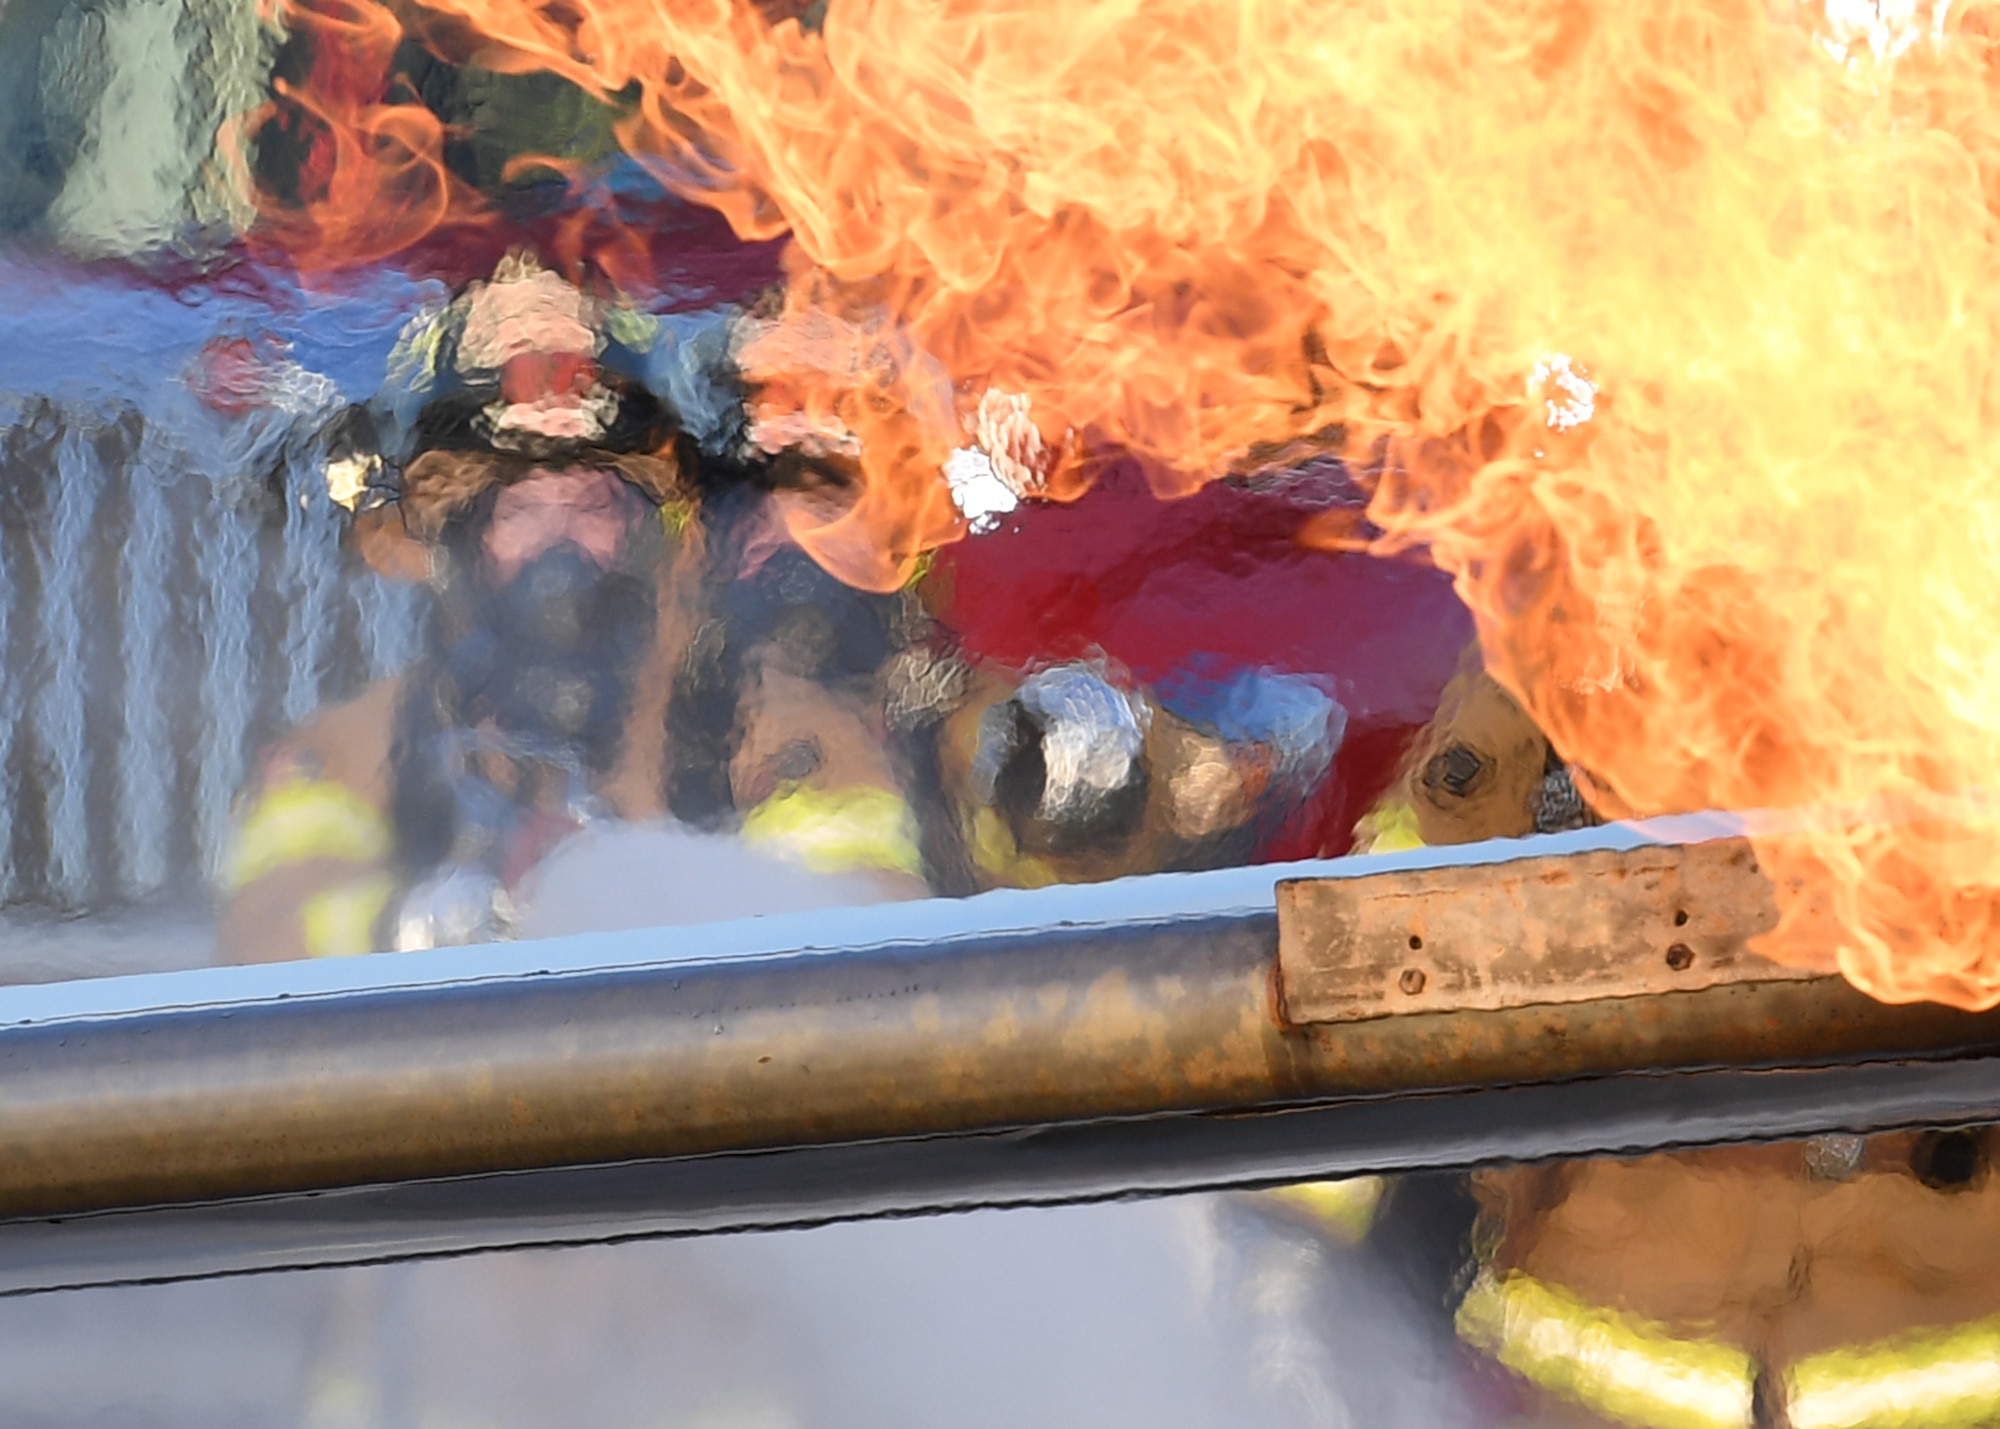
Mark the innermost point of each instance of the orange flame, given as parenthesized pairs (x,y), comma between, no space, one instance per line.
(985,197)
(1669,328)
(371,177)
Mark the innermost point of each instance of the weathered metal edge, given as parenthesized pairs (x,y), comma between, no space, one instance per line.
(1163,897)
(1537,931)
(1049,1027)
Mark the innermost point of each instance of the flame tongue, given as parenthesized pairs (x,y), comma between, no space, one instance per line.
(1735,548)
(371,178)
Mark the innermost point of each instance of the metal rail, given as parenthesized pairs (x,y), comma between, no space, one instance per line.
(1017,1048)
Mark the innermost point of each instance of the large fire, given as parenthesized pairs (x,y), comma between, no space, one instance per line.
(1668,328)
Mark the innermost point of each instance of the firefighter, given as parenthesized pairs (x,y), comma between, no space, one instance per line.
(1843,1281)
(625,634)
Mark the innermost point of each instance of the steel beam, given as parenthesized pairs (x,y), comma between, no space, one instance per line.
(1065,1044)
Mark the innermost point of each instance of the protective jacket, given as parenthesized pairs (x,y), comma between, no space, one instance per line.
(1837,1282)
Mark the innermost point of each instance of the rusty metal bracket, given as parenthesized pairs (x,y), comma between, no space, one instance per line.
(1535,932)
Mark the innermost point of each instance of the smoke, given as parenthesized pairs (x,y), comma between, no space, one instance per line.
(1167,1315)
(1196,1313)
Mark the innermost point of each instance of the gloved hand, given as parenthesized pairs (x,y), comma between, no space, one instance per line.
(1063,757)
(459,904)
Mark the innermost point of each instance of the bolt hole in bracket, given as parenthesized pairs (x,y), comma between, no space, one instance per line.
(1533,932)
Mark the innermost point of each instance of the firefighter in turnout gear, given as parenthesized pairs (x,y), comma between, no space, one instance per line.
(624,634)
(1838,1283)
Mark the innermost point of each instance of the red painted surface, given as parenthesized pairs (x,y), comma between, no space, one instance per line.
(1217,578)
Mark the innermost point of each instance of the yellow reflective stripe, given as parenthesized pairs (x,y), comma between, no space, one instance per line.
(1389,827)
(1616,1365)
(631,327)
(994,850)
(1347,1208)
(303,819)
(1936,1380)
(838,830)
(675,516)
(341,922)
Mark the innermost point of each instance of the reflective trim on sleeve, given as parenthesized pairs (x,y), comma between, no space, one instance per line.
(1617,1365)
(303,819)
(341,922)
(838,830)
(994,850)
(1389,827)
(1940,1379)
